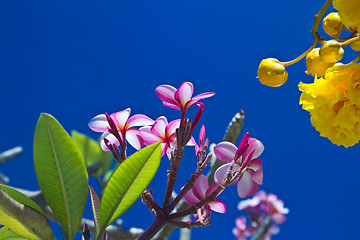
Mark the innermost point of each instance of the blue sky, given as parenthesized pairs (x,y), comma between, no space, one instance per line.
(77,59)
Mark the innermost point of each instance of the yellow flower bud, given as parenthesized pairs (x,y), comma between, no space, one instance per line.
(331,51)
(271,73)
(315,65)
(332,24)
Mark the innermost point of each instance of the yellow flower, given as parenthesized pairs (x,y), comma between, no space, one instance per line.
(349,11)
(334,104)
(315,65)
(271,73)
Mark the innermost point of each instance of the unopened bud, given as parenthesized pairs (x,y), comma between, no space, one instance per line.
(271,73)
(332,24)
(315,65)
(331,51)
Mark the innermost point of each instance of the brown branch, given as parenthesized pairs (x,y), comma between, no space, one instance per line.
(231,135)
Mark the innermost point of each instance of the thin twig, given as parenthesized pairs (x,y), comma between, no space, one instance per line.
(9,154)
(263,229)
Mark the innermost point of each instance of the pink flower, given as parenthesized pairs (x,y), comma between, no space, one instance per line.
(199,191)
(269,203)
(163,131)
(125,126)
(181,98)
(241,230)
(246,162)
(260,207)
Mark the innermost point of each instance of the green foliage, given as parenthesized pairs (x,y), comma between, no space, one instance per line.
(6,234)
(95,204)
(127,183)
(61,173)
(92,152)
(21,198)
(22,219)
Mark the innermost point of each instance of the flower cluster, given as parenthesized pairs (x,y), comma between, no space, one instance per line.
(243,167)
(118,127)
(262,209)
(332,99)
(334,104)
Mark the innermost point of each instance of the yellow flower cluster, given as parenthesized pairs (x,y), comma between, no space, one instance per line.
(349,12)
(334,104)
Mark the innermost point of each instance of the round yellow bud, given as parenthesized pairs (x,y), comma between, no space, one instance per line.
(331,51)
(315,65)
(271,73)
(332,24)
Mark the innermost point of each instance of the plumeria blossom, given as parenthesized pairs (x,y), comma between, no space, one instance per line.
(269,203)
(125,126)
(162,131)
(199,191)
(247,164)
(259,207)
(181,98)
(241,230)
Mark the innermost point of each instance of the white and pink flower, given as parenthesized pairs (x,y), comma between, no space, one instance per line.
(181,98)
(246,162)
(198,193)
(162,131)
(125,126)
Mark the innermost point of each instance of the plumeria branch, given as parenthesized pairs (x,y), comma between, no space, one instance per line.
(263,228)
(9,154)
(231,135)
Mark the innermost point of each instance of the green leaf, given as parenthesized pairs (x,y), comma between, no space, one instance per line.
(6,234)
(92,152)
(95,204)
(21,198)
(61,172)
(23,220)
(128,182)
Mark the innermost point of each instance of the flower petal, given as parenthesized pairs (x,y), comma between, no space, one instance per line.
(171,105)
(200,187)
(164,149)
(246,186)
(172,126)
(121,117)
(203,95)
(190,198)
(191,142)
(134,137)
(255,165)
(184,93)
(139,120)
(99,123)
(217,206)
(254,144)
(221,173)
(112,139)
(225,151)
(166,94)
(148,137)
(158,128)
